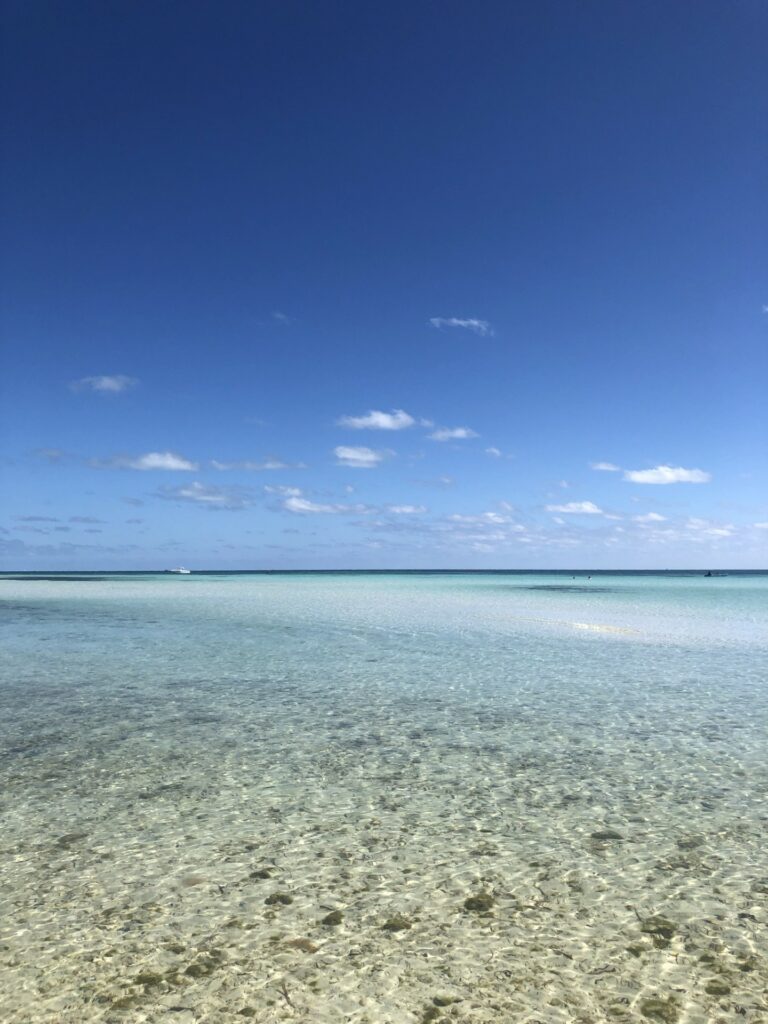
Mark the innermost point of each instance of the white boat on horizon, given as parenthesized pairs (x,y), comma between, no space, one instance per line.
(180,571)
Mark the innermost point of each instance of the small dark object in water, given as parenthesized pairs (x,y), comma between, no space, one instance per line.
(70,839)
(331,920)
(606,835)
(303,944)
(665,1010)
(717,987)
(279,898)
(481,903)
(149,978)
(201,968)
(261,873)
(656,925)
(690,842)
(398,923)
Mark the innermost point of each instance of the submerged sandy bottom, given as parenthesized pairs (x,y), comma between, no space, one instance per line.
(189,879)
(173,840)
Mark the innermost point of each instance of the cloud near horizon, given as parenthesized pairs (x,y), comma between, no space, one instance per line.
(605,467)
(667,475)
(481,327)
(375,419)
(106,384)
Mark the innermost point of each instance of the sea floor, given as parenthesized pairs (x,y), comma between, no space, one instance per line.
(277,846)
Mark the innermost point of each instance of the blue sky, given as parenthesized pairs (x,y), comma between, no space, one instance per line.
(349,285)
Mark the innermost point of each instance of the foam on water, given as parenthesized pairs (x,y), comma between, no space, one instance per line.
(182,753)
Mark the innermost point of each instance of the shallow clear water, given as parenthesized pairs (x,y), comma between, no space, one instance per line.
(586,753)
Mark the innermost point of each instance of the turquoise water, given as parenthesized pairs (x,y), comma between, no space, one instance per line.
(584,752)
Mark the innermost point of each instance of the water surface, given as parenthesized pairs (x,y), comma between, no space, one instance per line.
(197,771)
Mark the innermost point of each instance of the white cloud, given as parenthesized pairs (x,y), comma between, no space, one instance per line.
(605,467)
(281,489)
(211,497)
(650,517)
(162,460)
(576,508)
(398,419)
(709,529)
(483,517)
(481,327)
(493,452)
(452,434)
(281,318)
(407,510)
(106,384)
(358,458)
(667,475)
(271,462)
(761,526)
(152,460)
(298,504)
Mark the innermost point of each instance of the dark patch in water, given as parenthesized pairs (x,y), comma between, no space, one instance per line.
(566,589)
(56,579)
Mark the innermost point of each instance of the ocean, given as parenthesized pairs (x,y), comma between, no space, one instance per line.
(384,797)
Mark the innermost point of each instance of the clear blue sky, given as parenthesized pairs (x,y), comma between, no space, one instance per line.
(530,236)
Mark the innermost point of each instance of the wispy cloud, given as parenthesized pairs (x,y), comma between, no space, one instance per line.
(210,497)
(397,419)
(358,458)
(605,467)
(282,489)
(152,460)
(52,455)
(581,508)
(667,475)
(761,526)
(36,519)
(650,517)
(85,519)
(299,504)
(407,510)
(709,529)
(481,327)
(452,434)
(107,384)
(282,318)
(270,462)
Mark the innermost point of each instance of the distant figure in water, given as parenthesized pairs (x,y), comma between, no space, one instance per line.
(707,573)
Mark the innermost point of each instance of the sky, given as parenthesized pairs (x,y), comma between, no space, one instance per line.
(404,285)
